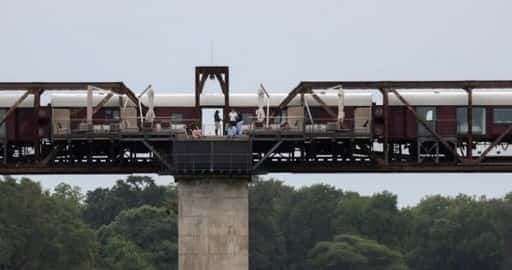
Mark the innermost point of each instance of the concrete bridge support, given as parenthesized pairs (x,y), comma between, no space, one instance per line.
(213,223)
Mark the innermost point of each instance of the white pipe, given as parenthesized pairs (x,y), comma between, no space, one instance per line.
(89,104)
(150,114)
(307,109)
(267,124)
(341,107)
(140,104)
(124,104)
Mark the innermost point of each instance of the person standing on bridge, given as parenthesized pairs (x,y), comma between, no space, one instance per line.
(239,123)
(233,115)
(218,122)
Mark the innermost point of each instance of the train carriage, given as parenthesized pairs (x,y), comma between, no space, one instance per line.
(19,125)
(446,113)
(180,109)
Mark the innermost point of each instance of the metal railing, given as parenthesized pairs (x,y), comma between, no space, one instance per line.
(349,126)
(190,127)
(213,162)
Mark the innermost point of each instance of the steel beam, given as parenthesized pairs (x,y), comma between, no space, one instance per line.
(494,143)
(158,155)
(469,118)
(15,105)
(221,73)
(324,105)
(336,167)
(376,85)
(37,106)
(51,155)
(102,103)
(269,152)
(200,81)
(490,84)
(116,87)
(385,103)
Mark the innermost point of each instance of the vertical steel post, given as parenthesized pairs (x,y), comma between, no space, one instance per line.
(226,93)
(385,103)
(303,103)
(5,150)
(198,90)
(37,106)
(469,111)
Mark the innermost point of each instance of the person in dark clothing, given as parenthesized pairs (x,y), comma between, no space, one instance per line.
(218,122)
(239,123)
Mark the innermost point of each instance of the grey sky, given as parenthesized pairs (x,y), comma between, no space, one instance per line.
(278,43)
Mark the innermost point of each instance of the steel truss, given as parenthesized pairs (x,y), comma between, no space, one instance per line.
(145,152)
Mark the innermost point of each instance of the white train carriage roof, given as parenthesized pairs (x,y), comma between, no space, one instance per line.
(452,97)
(80,100)
(426,97)
(7,100)
(351,98)
(188,100)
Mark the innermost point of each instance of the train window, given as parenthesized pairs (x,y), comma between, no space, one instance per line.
(502,116)
(428,114)
(478,121)
(111,114)
(177,117)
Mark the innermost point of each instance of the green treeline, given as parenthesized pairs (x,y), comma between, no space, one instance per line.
(133,225)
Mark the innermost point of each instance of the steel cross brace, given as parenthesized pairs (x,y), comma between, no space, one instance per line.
(269,152)
(158,155)
(422,122)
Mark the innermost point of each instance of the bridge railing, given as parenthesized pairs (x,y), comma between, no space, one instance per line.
(190,126)
(71,126)
(319,126)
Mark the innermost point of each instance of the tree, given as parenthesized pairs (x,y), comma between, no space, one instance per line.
(267,200)
(124,255)
(501,211)
(309,218)
(459,233)
(103,204)
(355,253)
(40,230)
(146,234)
(376,217)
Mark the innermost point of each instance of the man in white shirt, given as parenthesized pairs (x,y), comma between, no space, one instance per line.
(233,115)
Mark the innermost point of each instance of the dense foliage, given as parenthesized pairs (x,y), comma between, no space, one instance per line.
(133,225)
(355,253)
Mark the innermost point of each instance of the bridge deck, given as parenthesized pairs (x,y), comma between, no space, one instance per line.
(278,152)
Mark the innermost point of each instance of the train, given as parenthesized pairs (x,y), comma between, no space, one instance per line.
(445,112)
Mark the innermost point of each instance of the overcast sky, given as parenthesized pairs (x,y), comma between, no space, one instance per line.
(278,43)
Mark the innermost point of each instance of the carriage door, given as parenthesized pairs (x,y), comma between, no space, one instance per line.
(428,114)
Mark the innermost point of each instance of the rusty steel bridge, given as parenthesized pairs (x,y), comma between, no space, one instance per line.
(146,151)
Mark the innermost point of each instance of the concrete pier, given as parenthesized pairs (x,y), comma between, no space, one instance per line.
(213,223)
